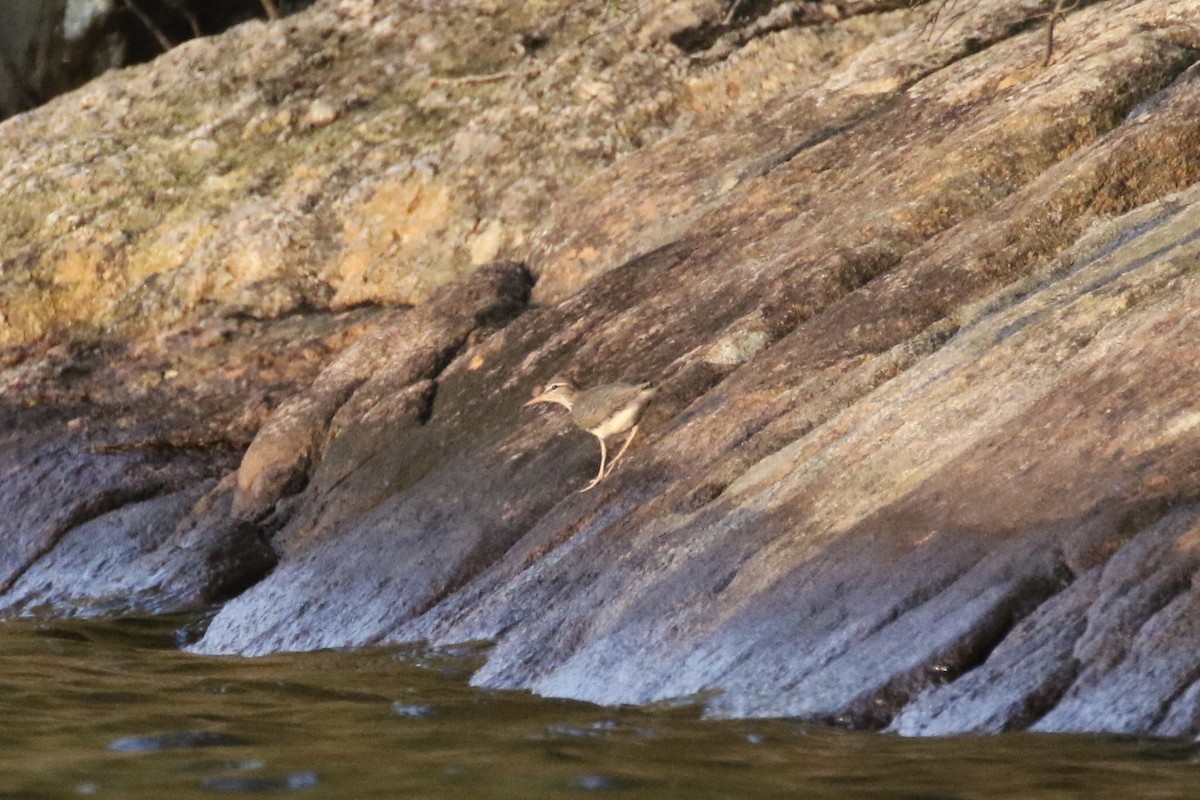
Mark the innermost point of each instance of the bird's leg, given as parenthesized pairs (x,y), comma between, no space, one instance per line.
(621,452)
(600,474)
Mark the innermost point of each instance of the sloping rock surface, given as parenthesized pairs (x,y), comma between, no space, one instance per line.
(924,453)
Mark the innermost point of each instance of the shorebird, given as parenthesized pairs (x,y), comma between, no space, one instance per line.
(603,411)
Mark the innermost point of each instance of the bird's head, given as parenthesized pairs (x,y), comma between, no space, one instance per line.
(557,390)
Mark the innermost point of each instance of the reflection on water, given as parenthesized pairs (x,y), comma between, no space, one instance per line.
(113,709)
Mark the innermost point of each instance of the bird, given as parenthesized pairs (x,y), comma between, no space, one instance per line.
(603,411)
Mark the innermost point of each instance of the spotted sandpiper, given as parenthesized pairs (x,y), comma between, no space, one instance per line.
(603,411)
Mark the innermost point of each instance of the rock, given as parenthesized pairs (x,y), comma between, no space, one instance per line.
(153,556)
(300,165)
(361,384)
(737,347)
(922,323)
(680,17)
(110,457)
(319,113)
(89,532)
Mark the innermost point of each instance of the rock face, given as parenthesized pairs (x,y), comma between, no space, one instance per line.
(922,316)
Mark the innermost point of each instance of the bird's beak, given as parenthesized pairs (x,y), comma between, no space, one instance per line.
(541,398)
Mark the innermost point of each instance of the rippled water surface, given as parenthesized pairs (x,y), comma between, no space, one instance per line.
(114,709)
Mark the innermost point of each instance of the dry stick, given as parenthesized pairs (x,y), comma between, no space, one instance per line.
(1058,13)
(1060,10)
(163,42)
(491,77)
(616,24)
(781,17)
(931,22)
(271,9)
(193,23)
(180,7)
(732,10)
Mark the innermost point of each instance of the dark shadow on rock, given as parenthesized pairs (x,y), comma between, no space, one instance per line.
(94,532)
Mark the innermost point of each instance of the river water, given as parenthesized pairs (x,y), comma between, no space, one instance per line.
(116,709)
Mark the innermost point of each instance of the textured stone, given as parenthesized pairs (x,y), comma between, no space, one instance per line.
(343,156)
(361,387)
(923,324)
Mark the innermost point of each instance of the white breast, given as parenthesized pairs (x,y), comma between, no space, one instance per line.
(618,423)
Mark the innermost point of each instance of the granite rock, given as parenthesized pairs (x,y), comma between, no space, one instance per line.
(922,314)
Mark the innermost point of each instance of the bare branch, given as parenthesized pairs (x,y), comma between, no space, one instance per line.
(163,41)
(1061,9)
(193,23)
(733,7)
(950,9)
(491,77)
(625,18)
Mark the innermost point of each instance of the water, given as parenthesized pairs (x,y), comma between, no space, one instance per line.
(114,709)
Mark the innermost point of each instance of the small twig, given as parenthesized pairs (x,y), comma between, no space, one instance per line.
(271,9)
(193,23)
(616,24)
(947,6)
(491,77)
(181,7)
(781,17)
(1054,16)
(163,42)
(732,10)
